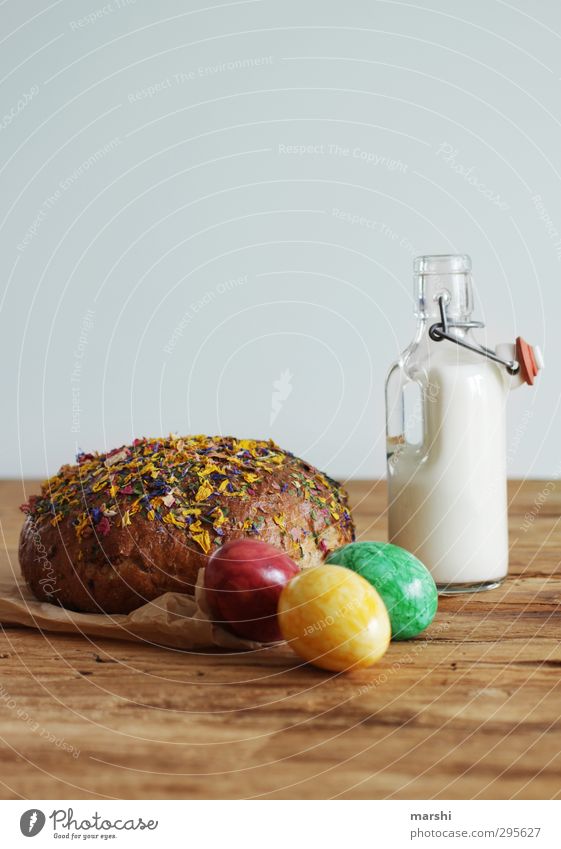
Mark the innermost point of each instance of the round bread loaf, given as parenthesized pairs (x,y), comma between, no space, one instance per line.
(119,529)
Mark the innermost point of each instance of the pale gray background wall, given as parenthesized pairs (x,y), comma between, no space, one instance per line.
(171,263)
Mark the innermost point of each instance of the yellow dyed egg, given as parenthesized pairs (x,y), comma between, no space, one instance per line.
(334,619)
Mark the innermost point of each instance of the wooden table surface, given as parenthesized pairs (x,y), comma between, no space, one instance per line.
(471,709)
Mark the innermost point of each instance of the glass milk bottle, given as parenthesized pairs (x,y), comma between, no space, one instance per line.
(446,434)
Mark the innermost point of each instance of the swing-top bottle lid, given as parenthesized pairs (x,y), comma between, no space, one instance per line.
(444,297)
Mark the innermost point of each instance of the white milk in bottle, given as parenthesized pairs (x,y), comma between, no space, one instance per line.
(446,399)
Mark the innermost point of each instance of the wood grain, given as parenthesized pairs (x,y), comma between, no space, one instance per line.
(471,709)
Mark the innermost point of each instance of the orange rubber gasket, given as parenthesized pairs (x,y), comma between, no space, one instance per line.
(525,357)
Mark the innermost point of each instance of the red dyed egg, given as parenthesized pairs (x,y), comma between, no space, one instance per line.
(243,583)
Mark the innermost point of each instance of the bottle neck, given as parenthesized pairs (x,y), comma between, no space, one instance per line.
(447,278)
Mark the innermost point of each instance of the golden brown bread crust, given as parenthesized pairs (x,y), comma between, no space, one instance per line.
(119,529)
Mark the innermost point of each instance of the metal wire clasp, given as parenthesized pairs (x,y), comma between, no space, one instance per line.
(439,331)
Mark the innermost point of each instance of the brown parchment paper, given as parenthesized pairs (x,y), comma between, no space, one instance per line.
(173,619)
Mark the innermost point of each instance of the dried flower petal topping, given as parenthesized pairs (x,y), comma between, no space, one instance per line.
(183,482)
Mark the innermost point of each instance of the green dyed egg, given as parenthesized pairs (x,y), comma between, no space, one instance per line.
(406,586)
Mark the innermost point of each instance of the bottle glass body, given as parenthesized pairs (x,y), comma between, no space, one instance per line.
(446,451)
